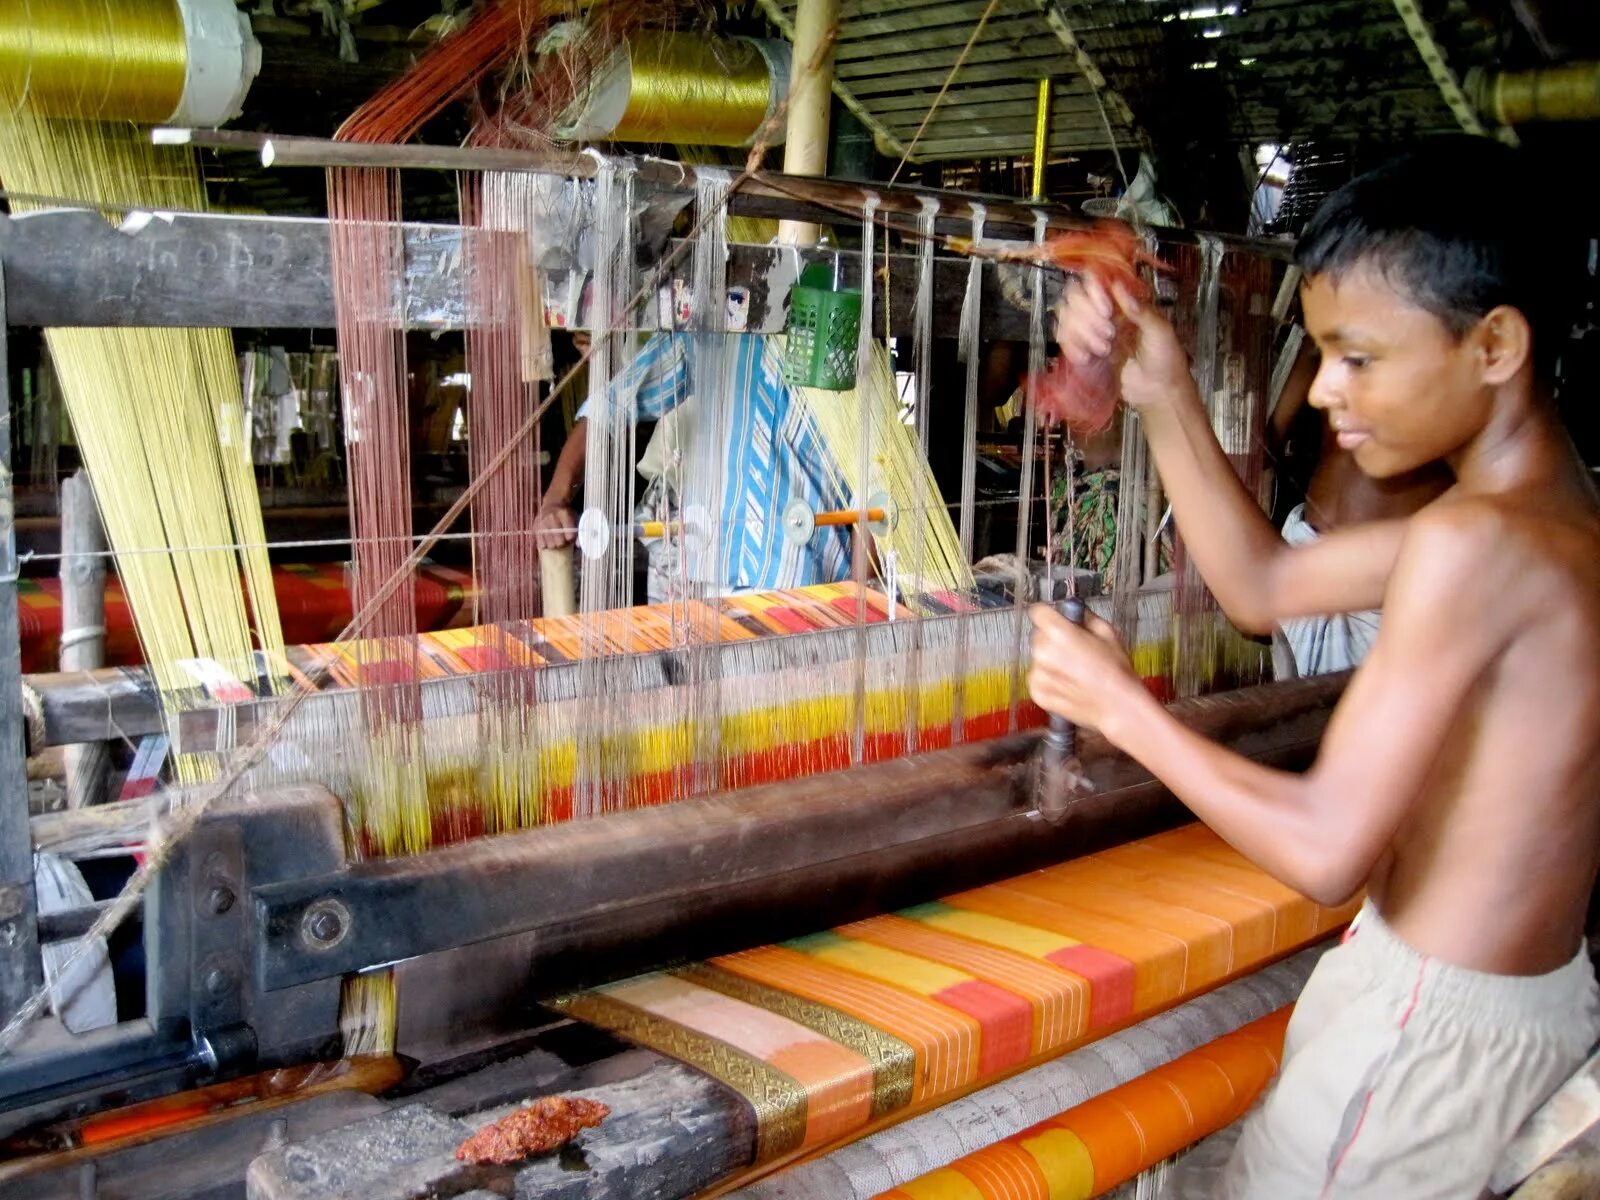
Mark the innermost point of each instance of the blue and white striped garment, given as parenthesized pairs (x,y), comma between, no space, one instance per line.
(750,463)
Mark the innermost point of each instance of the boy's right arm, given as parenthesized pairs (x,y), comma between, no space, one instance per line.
(1257,578)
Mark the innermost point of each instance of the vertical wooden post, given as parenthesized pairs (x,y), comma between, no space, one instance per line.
(805,146)
(20,969)
(83,622)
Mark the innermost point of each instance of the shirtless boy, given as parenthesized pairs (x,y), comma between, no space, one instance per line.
(1459,780)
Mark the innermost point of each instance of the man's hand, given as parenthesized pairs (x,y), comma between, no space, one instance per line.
(555,527)
(1087,327)
(1083,674)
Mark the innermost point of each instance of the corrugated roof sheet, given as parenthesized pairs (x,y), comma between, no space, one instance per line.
(1275,70)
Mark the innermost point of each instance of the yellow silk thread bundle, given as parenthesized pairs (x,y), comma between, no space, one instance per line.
(923,537)
(158,413)
(92,59)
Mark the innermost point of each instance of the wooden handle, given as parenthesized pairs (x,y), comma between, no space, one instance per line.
(555,573)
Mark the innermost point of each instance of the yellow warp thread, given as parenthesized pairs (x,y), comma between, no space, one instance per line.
(923,537)
(159,417)
(686,87)
(369,1016)
(107,59)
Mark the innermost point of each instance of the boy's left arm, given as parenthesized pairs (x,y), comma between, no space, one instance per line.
(1321,832)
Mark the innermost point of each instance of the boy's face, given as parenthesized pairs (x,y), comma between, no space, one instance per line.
(1400,389)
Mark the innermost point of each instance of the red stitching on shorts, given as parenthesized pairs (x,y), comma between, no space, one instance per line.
(1366,1103)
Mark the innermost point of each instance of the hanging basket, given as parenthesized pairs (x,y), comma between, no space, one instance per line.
(824,328)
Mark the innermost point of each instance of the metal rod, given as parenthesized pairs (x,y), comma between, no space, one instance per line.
(70,923)
(1041,134)
(1059,768)
(833,517)
(765,193)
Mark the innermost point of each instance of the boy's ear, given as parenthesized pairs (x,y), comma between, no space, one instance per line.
(1505,342)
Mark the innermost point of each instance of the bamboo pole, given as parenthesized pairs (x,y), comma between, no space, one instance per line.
(805,147)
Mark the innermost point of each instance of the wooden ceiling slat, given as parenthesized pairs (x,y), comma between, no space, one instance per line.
(1004,71)
(1000,32)
(1039,49)
(1022,107)
(963,15)
(1068,91)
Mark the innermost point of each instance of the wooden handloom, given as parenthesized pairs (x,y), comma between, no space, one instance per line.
(262,911)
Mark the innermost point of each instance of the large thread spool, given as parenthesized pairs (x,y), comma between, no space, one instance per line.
(188,62)
(664,87)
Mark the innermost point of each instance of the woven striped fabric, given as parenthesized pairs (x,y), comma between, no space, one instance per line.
(828,1034)
(313,604)
(900,1153)
(1091,1148)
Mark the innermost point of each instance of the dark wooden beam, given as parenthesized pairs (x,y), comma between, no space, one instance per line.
(20,968)
(72,268)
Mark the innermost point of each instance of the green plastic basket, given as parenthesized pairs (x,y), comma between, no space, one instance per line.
(824,327)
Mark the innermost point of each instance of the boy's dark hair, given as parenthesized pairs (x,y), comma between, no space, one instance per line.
(1448,225)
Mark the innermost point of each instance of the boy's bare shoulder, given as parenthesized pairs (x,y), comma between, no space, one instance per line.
(1536,546)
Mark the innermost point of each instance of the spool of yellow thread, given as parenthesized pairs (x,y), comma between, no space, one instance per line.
(188,62)
(683,87)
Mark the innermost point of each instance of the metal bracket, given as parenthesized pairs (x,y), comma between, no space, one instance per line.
(201,927)
(218,931)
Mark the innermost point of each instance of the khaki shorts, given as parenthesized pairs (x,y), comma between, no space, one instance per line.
(1403,1077)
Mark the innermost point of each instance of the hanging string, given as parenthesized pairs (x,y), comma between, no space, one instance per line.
(955,70)
(710,446)
(1127,556)
(1036,365)
(866,354)
(970,351)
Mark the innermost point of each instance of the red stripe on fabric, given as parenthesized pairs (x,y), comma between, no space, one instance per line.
(1111,980)
(791,620)
(483,658)
(847,605)
(389,670)
(1005,1019)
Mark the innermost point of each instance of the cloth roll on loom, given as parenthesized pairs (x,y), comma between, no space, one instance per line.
(683,88)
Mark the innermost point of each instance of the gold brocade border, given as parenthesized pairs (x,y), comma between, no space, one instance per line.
(778,1100)
(894,1062)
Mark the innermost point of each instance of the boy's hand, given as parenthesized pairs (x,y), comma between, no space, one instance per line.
(1086,329)
(1082,674)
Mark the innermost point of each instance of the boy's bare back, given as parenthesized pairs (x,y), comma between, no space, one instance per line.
(1494,866)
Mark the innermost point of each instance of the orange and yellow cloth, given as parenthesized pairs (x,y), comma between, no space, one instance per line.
(827,1034)
(313,605)
(1090,1149)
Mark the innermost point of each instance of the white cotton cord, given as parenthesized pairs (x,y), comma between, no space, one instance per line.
(866,354)
(1036,365)
(922,316)
(971,352)
(709,256)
